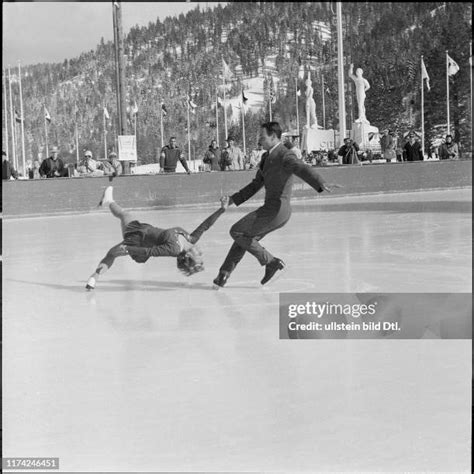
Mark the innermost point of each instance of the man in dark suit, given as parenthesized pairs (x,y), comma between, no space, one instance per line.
(275,173)
(412,149)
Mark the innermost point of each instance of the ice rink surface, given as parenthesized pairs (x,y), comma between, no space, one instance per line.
(153,371)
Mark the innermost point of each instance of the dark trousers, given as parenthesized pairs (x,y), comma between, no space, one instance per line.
(248,231)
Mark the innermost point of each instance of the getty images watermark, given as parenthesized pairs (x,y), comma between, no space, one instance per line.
(375,316)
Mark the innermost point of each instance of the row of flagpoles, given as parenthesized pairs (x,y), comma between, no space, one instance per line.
(451,69)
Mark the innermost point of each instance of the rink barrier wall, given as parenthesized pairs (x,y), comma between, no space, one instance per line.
(79,195)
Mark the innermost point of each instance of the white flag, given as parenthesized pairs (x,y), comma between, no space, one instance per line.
(453,67)
(226,72)
(106,114)
(46,115)
(424,74)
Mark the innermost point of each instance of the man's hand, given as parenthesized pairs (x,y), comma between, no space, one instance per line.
(328,187)
(124,248)
(225,202)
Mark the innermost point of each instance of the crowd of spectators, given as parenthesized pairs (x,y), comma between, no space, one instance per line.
(231,158)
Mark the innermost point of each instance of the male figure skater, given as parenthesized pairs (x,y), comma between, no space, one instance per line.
(142,241)
(275,172)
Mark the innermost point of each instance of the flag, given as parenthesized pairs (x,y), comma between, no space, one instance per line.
(226,73)
(135,108)
(18,118)
(46,115)
(244,99)
(220,103)
(106,114)
(163,110)
(298,91)
(453,67)
(424,74)
(192,105)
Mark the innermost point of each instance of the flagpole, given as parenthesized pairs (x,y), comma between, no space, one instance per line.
(12,119)
(161,126)
(22,123)
(77,144)
(340,75)
(470,67)
(6,111)
(270,101)
(105,133)
(447,93)
(46,134)
(324,101)
(243,121)
(422,112)
(189,133)
(225,111)
(217,120)
(297,112)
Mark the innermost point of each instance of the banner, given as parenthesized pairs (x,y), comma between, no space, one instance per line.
(127,148)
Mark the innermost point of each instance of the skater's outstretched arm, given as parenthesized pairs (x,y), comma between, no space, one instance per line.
(205,225)
(307,174)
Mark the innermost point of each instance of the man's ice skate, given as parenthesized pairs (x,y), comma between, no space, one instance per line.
(220,280)
(90,283)
(271,268)
(107,197)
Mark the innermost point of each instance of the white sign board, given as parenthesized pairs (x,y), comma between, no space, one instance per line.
(127,148)
(315,140)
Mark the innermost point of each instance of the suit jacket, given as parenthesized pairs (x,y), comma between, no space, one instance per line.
(275,173)
(412,152)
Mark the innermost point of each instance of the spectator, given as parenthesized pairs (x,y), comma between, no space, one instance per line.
(387,146)
(169,156)
(412,149)
(53,167)
(89,166)
(112,166)
(225,162)
(332,156)
(256,156)
(349,151)
(8,172)
(449,150)
(212,157)
(236,157)
(36,170)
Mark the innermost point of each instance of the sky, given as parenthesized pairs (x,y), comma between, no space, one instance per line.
(36,32)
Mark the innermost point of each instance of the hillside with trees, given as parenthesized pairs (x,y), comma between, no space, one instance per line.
(168,60)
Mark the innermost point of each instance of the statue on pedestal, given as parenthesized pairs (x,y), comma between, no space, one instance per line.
(361,85)
(311,120)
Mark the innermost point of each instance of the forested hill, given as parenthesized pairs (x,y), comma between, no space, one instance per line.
(169,59)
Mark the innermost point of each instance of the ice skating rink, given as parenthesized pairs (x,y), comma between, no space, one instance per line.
(153,371)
